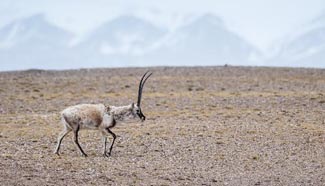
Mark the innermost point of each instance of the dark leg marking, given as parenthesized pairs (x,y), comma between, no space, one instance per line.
(76,141)
(114,137)
(62,135)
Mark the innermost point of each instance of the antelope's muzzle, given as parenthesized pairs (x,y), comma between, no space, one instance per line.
(141,116)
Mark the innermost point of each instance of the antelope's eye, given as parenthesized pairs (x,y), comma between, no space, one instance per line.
(138,111)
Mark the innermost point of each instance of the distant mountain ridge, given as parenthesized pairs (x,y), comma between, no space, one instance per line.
(31,30)
(124,35)
(204,41)
(304,47)
(34,42)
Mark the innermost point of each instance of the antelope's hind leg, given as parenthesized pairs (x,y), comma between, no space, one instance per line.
(60,138)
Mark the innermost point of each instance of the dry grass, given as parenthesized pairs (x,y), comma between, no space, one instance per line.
(205,126)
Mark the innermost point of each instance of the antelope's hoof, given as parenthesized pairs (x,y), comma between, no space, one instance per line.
(106,155)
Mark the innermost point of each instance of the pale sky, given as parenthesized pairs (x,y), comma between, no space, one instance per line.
(259,21)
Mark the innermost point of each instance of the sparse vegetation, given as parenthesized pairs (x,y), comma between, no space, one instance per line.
(212,126)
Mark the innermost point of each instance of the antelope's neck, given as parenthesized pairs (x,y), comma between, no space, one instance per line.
(120,113)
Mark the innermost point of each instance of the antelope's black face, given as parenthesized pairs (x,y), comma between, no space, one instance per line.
(137,111)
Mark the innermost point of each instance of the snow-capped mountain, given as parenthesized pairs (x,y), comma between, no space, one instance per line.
(125,35)
(122,41)
(304,47)
(33,43)
(33,31)
(204,41)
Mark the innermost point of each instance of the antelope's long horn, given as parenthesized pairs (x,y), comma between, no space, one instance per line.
(141,84)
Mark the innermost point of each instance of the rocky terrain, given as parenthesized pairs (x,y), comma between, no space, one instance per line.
(205,126)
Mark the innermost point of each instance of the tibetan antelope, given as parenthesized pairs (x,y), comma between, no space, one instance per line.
(100,117)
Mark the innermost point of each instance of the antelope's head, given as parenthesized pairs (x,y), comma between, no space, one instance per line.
(137,107)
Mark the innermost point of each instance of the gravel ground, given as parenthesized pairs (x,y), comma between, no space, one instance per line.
(205,126)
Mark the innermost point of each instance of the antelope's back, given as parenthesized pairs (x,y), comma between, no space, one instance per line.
(84,115)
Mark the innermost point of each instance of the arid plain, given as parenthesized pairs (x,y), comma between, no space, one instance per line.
(205,126)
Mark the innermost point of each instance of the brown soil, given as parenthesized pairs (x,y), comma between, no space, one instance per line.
(205,126)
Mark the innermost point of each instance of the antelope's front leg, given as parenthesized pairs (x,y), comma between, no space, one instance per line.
(105,142)
(106,132)
(114,137)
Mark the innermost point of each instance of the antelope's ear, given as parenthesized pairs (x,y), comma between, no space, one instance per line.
(132,105)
